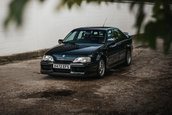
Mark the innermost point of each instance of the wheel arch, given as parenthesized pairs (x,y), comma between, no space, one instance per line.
(129,47)
(101,55)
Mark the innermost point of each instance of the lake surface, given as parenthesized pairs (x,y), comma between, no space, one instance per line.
(43,25)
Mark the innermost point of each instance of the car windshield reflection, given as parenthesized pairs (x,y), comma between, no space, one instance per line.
(85,36)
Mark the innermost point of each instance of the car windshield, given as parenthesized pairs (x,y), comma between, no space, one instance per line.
(85,36)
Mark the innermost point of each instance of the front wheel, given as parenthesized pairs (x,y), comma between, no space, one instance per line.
(101,68)
(128,58)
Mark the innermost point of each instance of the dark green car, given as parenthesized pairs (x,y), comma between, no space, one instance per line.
(88,51)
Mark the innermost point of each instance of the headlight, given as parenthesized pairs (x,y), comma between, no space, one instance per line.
(47,58)
(82,59)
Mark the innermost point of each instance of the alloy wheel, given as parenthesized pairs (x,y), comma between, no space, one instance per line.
(101,68)
(128,57)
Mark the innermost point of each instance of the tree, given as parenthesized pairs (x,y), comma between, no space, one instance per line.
(160,27)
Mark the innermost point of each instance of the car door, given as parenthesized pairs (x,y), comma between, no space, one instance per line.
(113,48)
(122,41)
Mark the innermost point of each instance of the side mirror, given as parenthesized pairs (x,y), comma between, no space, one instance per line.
(60,41)
(127,34)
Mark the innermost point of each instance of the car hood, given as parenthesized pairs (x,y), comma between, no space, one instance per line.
(74,49)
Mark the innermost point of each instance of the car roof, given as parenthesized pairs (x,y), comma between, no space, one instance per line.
(94,28)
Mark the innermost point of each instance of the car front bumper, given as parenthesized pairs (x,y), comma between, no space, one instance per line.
(76,69)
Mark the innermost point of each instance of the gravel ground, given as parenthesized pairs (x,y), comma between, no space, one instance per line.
(145,87)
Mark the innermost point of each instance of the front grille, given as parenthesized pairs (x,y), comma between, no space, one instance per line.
(46,67)
(62,70)
(78,69)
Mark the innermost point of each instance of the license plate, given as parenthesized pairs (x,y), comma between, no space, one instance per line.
(61,66)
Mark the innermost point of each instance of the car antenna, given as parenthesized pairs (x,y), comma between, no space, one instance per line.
(105,22)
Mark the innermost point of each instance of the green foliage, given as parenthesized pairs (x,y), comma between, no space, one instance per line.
(15,12)
(71,3)
(160,27)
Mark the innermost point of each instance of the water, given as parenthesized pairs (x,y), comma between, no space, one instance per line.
(43,25)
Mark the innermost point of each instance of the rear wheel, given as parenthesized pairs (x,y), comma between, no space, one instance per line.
(101,68)
(128,58)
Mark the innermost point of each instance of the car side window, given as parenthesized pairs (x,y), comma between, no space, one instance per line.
(112,36)
(119,34)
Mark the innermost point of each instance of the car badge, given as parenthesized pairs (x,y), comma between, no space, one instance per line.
(63,56)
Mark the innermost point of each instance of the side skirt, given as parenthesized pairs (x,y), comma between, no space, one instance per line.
(116,64)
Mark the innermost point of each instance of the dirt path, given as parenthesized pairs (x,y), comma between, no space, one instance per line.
(143,88)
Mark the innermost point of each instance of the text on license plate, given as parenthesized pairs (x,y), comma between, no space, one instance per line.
(61,66)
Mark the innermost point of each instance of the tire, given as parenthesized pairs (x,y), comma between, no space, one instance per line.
(128,58)
(101,69)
